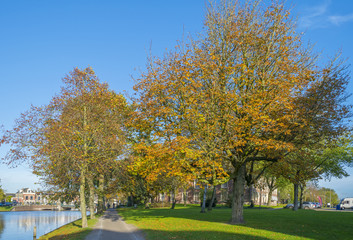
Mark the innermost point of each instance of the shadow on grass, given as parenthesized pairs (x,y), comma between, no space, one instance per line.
(74,236)
(163,235)
(303,223)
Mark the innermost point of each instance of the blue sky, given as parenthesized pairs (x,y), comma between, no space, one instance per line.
(43,40)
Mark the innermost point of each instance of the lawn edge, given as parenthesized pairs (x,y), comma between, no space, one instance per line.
(45,236)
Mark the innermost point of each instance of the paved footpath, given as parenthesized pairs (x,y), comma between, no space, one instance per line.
(111,226)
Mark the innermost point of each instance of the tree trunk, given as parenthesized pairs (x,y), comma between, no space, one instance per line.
(301,196)
(203,208)
(251,189)
(212,199)
(260,202)
(83,176)
(295,208)
(269,198)
(59,205)
(184,197)
(238,196)
(146,203)
(82,198)
(91,197)
(101,193)
(173,199)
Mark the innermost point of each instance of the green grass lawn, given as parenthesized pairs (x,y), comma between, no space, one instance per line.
(5,209)
(71,231)
(189,223)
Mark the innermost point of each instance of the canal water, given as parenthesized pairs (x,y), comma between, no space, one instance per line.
(19,225)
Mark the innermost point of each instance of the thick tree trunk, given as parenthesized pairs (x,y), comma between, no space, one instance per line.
(82,198)
(212,199)
(203,208)
(100,194)
(269,198)
(301,196)
(295,208)
(251,189)
(173,200)
(238,196)
(91,197)
(184,197)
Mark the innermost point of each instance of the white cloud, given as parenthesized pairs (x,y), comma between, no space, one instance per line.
(313,15)
(320,17)
(337,20)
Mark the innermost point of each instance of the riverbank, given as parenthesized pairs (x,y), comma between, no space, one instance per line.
(72,231)
(5,209)
(34,208)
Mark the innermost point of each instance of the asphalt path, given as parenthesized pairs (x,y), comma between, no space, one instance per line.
(111,226)
(333,210)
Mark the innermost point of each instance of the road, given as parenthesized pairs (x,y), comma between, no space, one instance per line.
(111,226)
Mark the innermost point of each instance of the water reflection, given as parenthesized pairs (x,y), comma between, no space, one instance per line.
(19,225)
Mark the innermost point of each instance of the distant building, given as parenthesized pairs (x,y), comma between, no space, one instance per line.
(193,194)
(27,196)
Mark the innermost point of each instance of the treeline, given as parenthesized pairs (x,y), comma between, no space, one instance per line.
(245,100)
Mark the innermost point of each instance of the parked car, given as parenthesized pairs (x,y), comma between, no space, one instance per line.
(291,205)
(346,203)
(308,205)
(317,205)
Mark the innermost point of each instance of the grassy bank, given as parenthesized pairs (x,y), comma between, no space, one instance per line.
(189,223)
(5,209)
(71,231)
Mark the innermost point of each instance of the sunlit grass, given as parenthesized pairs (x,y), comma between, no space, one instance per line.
(71,230)
(189,223)
(5,209)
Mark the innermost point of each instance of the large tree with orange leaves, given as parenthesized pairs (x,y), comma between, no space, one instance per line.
(232,94)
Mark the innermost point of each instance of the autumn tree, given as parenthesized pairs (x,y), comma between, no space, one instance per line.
(74,138)
(231,93)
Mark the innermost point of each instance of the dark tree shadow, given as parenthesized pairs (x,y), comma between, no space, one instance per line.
(303,223)
(160,235)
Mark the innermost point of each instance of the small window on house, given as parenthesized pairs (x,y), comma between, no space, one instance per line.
(31,197)
(26,197)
